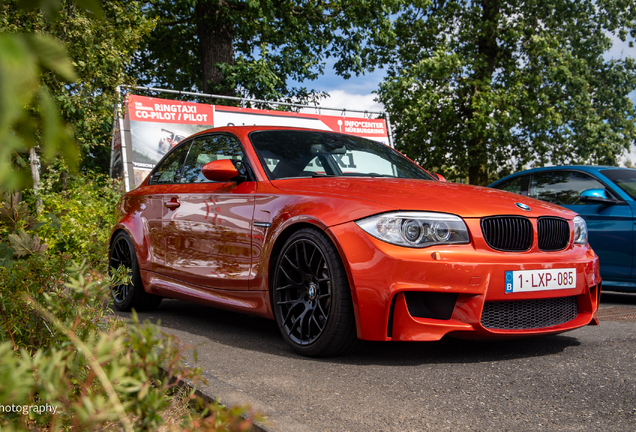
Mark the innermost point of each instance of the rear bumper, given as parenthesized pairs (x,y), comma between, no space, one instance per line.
(382,276)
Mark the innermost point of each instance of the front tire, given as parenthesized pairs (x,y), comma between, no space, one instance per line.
(312,298)
(132,295)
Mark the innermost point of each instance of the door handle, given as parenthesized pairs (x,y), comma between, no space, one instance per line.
(172,204)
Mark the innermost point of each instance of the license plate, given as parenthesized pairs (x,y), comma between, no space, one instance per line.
(540,280)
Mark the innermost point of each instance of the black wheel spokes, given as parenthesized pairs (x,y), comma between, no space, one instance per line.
(120,255)
(303,291)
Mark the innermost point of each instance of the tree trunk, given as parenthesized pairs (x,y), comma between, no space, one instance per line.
(215,45)
(35,175)
(477,168)
(488,50)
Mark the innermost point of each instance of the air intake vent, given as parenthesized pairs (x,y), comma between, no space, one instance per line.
(554,234)
(529,314)
(507,233)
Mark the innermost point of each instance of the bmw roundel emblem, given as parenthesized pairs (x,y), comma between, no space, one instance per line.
(312,291)
(523,206)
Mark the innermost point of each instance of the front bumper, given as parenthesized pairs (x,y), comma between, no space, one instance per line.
(382,275)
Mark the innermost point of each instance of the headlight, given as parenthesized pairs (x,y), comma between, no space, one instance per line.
(580,230)
(416,229)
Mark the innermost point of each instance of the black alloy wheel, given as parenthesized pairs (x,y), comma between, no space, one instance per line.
(131,295)
(312,299)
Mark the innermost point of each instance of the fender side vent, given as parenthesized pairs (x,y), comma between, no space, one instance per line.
(433,305)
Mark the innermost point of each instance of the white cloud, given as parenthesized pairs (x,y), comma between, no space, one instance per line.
(343,100)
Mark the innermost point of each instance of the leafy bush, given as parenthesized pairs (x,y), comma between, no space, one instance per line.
(40,277)
(99,372)
(72,363)
(41,272)
(84,207)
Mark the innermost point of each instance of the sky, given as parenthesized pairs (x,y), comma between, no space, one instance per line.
(354,93)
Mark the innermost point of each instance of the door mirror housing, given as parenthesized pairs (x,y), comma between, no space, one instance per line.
(440,177)
(222,170)
(596,196)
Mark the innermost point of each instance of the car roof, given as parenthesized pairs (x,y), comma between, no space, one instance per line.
(594,169)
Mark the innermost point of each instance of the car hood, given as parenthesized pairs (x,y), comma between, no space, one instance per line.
(427,195)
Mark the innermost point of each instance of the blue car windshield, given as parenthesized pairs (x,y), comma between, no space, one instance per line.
(624,179)
(293,154)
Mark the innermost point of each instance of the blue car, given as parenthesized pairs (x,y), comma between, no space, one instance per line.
(605,197)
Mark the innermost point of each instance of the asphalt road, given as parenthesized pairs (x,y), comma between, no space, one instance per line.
(581,380)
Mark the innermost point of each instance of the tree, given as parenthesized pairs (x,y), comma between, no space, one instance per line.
(99,46)
(474,86)
(254,48)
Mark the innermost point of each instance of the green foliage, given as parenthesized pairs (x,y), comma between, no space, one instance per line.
(34,255)
(257,48)
(15,220)
(64,357)
(23,58)
(93,49)
(80,212)
(71,364)
(24,244)
(15,214)
(44,279)
(94,373)
(474,86)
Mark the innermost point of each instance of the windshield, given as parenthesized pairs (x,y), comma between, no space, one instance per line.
(291,154)
(624,179)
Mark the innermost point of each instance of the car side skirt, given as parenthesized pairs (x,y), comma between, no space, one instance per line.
(248,302)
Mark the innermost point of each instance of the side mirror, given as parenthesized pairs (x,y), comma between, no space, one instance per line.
(596,196)
(440,177)
(222,170)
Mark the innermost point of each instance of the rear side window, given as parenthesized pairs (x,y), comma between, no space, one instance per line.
(169,171)
(207,149)
(562,187)
(518,185)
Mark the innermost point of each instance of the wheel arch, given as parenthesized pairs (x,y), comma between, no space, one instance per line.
(136,234)
(276,249)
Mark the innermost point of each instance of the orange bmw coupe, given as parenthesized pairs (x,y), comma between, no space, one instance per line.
(341,239)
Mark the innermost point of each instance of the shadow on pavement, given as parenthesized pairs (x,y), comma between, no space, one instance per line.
(608,297)
(262,335)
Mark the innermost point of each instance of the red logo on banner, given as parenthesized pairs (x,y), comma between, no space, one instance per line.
(148,109)
(356,126)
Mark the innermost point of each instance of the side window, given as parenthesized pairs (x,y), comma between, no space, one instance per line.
(518,185)
(206,149)
(562,187)
(170,169)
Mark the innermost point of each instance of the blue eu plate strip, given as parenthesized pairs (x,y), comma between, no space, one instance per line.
(509,282)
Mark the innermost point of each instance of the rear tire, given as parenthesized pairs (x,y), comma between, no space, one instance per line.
(311,296)
(131,296)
